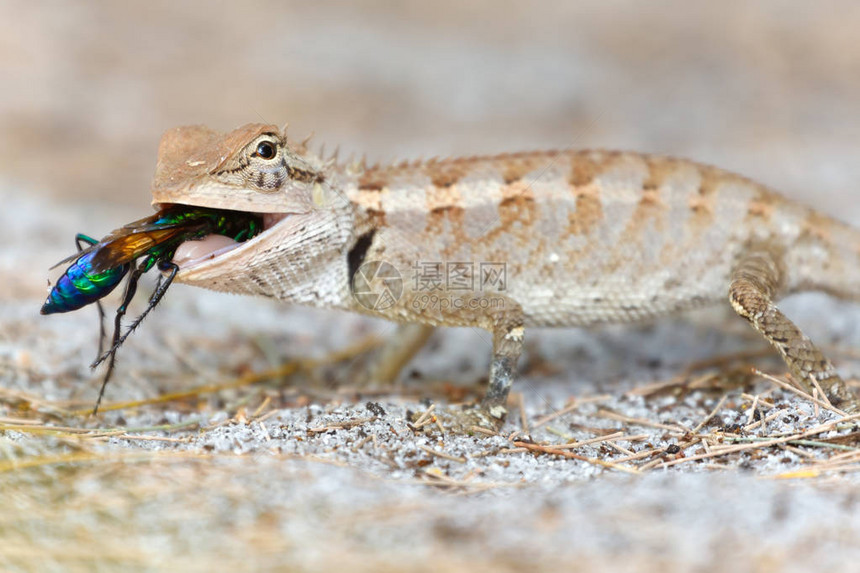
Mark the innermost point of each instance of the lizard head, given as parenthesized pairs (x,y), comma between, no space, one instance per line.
(251,169)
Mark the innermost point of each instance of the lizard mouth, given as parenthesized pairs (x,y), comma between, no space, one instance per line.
(191,254)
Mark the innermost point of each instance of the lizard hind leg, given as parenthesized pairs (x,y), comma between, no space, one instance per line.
(754,283)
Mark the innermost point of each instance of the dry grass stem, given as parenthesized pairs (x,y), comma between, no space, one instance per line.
(710,415)
(565,454)
(341,425)
(574,404)
(799,392)
(443,455)
(639,421)
(424,416)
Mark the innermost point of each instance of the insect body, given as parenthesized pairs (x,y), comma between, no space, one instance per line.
(133,250)
(80,285)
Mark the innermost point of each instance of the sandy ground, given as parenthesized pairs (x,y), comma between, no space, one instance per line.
(233,434)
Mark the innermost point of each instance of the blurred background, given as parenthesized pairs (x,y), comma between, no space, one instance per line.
(767,88)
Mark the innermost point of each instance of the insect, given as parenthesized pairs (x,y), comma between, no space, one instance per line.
(132,250)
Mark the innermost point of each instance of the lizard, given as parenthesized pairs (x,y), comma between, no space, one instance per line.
(507,242)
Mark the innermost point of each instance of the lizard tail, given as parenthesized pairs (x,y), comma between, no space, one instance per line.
(825,257)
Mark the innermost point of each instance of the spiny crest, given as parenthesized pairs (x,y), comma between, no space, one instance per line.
(302,146)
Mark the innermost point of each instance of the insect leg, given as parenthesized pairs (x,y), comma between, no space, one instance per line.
(130,290)
(81,238)
(160,288)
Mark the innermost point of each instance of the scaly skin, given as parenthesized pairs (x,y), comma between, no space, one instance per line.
(512,241)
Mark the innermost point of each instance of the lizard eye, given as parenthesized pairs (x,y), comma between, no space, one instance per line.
(266,150)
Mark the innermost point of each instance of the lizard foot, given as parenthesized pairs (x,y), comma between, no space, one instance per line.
(487,418)
(465,419)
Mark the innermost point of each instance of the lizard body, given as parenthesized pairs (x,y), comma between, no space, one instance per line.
(511,241)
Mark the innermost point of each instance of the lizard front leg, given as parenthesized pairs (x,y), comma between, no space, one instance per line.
(508,335)
(754,283)
(507,346)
